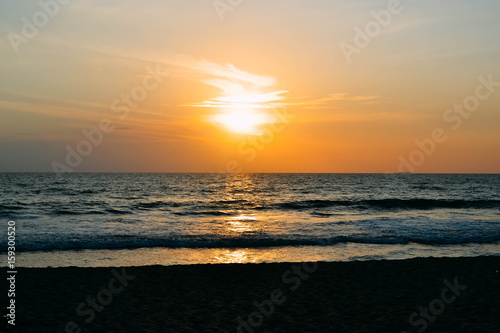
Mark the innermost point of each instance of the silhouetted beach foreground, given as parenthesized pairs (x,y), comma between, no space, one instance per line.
(432,295)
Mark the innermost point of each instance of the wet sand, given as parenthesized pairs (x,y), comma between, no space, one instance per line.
(431,295)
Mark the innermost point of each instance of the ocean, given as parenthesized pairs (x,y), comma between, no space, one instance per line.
(135,219)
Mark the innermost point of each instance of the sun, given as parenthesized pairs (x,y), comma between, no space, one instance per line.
(242,121)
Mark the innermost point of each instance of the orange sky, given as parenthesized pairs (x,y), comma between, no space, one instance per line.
(183,86)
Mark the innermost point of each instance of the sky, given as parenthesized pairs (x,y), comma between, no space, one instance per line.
(250,86)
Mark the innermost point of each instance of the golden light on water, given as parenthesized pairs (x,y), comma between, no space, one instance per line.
(233,257)
(242,224)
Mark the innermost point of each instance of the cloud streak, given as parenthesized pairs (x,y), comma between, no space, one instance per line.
(323,102)
(239,88)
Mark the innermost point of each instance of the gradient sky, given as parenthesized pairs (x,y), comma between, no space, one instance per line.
(264,57)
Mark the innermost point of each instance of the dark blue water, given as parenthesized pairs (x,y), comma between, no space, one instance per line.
(129,211)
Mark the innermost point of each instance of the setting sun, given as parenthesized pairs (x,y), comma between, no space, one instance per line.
(243,121)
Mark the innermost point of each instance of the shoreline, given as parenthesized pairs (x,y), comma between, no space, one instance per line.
(341,252)
(379,295)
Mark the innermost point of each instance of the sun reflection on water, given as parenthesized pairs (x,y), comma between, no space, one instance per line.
(242,224)
(233,257)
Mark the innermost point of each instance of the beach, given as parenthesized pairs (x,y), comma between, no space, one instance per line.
(426,294)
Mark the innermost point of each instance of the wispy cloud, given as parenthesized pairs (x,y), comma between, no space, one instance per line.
(224,76)
(323,102)
(239,88)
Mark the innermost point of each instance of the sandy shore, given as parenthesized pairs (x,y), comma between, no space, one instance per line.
(431,295)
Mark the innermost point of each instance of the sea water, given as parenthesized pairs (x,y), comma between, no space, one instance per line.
(117,219)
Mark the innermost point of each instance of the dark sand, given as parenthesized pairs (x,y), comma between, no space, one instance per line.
(374,296)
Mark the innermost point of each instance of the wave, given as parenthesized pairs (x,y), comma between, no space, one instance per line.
(158,204)
(231,207)
(392,204)
(132,242)
(16,206)
(112,211)
(207,212)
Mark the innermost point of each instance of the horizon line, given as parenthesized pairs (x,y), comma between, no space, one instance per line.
(214,172)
